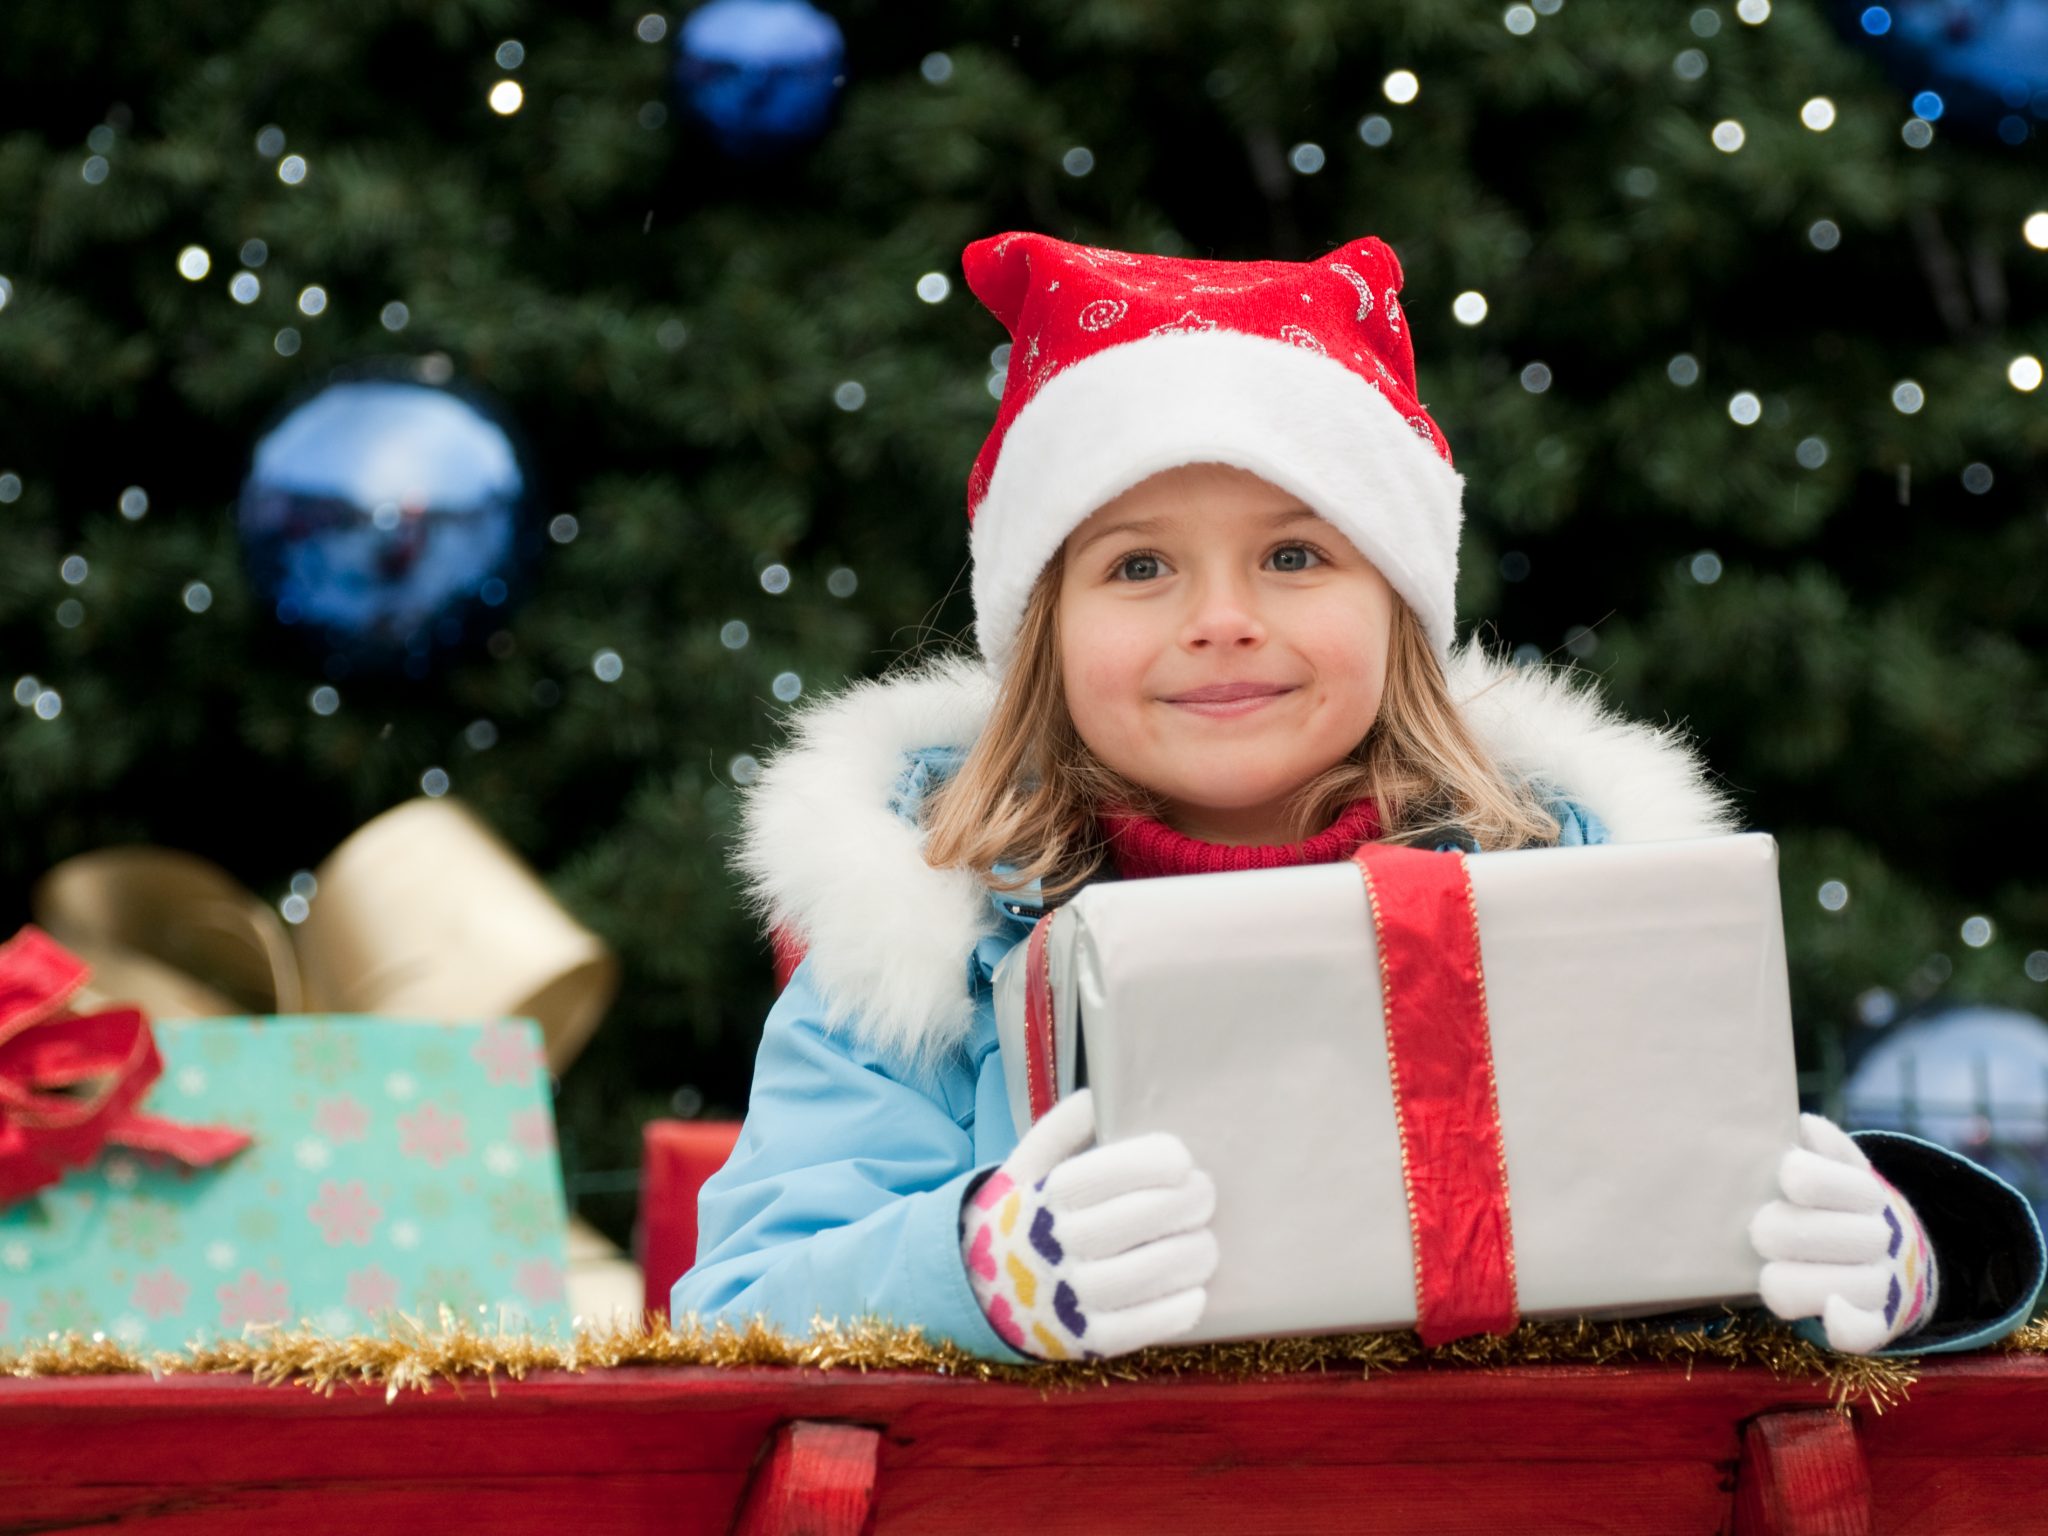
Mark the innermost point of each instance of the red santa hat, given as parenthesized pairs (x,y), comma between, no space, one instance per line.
(1124,365)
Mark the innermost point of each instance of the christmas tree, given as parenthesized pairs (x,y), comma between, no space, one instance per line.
(1730,334)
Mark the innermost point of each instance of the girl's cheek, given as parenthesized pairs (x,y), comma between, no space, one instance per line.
(1105,698)
(1095,690)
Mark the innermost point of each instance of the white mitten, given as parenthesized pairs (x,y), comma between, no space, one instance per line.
(1077,1250)
(1843,1245)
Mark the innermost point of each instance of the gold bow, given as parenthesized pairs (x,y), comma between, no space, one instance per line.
(423,912)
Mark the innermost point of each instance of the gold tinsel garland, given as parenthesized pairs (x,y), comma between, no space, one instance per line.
(411,1356)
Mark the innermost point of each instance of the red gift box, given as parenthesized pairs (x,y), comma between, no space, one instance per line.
(676,1157)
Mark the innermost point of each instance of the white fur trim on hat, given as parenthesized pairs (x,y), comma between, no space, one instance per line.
(1288,414)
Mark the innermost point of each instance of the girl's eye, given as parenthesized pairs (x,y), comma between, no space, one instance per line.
(1137,567)
(1294,557)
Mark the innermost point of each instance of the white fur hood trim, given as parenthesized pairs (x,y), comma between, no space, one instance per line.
(823,854)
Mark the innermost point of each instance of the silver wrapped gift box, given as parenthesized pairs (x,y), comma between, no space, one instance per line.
(1640,1031)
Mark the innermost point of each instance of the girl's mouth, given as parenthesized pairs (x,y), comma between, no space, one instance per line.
(1228,708)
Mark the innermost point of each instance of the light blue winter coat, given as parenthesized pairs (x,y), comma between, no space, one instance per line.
(842,1199)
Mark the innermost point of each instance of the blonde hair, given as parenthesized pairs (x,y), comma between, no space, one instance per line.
(1029,789)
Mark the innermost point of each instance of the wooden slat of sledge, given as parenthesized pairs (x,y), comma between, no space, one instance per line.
(1484,1496)
(1802,1474)
(1999,1494)
(675,1504)
(190,1429)
(813,1480)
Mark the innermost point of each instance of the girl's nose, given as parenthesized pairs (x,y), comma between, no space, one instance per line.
(1223,617)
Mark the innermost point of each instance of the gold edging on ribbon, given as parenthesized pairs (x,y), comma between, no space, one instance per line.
(1507,1214)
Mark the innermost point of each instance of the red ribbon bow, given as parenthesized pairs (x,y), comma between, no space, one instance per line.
(112,1057)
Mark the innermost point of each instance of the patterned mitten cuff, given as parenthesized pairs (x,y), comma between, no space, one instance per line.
(1915,1286)
(1076,1251)
(1843,1245)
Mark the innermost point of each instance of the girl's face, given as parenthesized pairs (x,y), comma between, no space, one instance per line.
(1221,645)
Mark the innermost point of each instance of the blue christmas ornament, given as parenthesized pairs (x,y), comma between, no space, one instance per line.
(1977,65)
(1974,1079)
(387,520)
(763,76)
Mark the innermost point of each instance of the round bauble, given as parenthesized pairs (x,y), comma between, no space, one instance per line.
(388,520)
(763,76)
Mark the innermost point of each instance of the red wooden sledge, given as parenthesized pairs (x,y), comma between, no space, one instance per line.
(1591,1448)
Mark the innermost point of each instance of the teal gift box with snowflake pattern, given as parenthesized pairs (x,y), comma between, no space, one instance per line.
(397,1167)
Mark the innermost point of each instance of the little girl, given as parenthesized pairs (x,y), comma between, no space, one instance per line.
(1215,544)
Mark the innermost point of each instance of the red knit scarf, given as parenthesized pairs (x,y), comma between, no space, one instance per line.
(1140,846)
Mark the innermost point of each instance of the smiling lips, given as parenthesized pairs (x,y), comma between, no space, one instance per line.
(1224,700)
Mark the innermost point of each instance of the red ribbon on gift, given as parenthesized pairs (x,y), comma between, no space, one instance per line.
(1447,1109)
(109,1058)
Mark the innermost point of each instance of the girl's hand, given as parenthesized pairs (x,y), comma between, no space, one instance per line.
(1843,1245)
(1075,1250)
